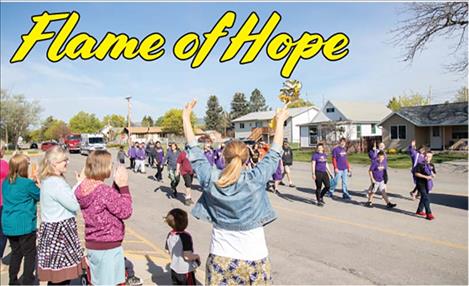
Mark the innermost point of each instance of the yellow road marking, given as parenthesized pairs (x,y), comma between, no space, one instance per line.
(383,230)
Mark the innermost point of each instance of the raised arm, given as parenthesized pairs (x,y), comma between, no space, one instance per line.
(199,162)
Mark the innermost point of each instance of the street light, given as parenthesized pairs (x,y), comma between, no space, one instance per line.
(128,119)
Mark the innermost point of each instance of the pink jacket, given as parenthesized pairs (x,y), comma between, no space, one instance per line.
(104,208)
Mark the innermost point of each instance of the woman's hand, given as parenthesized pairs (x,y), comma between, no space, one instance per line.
(121,177)
(186,112)
(282,115)
(80,177)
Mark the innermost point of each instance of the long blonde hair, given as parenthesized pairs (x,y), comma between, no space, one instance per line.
(53,155)
(235,154)
(18,166)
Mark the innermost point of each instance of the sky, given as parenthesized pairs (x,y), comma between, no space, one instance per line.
(372,71)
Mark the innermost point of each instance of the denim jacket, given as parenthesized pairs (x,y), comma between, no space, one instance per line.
(238,207)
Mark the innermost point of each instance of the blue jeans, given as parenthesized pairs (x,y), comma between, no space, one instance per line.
(341,174)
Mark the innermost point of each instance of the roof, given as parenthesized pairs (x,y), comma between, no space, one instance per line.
(143,130)
(434,115)
(362,111)
(268,115)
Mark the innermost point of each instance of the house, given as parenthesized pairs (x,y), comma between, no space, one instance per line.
(437,126)
(144,134)
(255,125)
(356,121)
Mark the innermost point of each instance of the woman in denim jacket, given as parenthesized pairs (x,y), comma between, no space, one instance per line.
(234,200)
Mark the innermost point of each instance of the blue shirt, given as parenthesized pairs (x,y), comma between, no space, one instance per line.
(243,205)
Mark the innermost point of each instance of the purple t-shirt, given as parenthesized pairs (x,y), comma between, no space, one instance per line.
(132,152)
(210,156)
(340,155)
(140,154)
(321,160)
(377,169)
(219,160)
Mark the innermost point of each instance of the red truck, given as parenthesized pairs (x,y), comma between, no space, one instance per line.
(72,142)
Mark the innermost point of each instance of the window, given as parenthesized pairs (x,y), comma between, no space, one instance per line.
(285,123)
(459,132)
(313,135)
(359,131)
(398,132)
(241,125)
(330,109)
(436,131)
(373,128)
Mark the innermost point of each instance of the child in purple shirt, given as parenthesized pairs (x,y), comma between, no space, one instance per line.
(417,157)
(209,153)
(377,174)
(219,159)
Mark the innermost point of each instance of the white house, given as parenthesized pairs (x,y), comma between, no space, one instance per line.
(352,120)
(257,123)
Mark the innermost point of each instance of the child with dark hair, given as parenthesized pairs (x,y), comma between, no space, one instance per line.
(179,245)
(377,174)
(418,157)
(424,174)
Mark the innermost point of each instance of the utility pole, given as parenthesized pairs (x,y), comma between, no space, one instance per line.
(128,120)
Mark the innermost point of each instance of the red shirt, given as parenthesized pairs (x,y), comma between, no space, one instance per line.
(185,167)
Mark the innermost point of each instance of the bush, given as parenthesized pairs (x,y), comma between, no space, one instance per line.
(392,151)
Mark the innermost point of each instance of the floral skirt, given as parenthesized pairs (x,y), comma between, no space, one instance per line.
(227,271)
(60,256)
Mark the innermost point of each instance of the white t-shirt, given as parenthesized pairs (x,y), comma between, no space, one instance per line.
(244,245)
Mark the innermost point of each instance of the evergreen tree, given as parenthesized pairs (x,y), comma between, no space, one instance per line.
(239,105)
(257,102)
(214,114)
(147,121)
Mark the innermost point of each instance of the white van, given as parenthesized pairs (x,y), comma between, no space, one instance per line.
(91,142)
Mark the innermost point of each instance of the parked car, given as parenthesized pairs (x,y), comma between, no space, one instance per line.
(48,144)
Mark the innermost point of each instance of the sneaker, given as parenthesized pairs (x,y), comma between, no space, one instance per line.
(348,198)
(322,201)
(320,204)
(329,195)
(292,186)
(175,194)
(430,217)
(412,196)
(421,213)
(187,202)
(390,205)
(134,281)
(282,183)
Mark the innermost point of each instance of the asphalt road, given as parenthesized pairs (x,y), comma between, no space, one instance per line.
(341,243)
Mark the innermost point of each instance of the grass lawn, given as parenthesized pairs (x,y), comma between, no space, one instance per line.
(27,152)
(401,161)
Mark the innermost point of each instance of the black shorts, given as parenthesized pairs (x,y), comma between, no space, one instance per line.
(183,279)
(188,180)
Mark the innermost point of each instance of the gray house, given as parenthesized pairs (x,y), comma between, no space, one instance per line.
(437,126)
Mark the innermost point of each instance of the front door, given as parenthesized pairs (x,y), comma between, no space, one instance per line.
(436,141)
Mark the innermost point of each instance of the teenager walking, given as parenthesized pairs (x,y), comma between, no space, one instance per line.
(417,157)
(378,173)
(287,160)
(342,168)
(321,173)
(424,179)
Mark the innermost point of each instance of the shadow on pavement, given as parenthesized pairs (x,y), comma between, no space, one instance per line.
(453,201)
(159,275)
(291,198)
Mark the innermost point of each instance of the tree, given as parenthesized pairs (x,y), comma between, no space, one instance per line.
(58,129)
(84,122)
(147,121)
(158,121)
(172,121)
(225,122)
(430,20)
(257,102)
(115,120)
(462,95)
(17,115)
(239,106)
(214,114)
(407,100)
(300,103)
